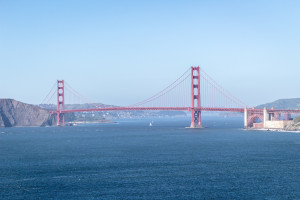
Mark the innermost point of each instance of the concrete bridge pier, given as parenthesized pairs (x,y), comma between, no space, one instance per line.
(245,117)
(266,116)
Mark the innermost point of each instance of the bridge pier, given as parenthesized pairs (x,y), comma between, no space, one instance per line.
(57,119)
(245,117)
(60,119)
(196,119)
(266,116)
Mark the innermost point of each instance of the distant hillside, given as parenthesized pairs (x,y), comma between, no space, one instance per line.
(100,115)
(16,113)
(75,106)
(282,104)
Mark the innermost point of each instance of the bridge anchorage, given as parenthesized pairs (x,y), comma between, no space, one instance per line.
(268,118)
(194,91)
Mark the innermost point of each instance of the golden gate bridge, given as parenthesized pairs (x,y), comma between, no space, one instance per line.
(194,91)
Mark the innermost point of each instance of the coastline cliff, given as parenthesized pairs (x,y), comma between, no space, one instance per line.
(16,113)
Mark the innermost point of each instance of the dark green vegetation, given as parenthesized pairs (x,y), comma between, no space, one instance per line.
(282,104)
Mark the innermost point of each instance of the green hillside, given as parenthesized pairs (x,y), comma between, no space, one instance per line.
(282,104)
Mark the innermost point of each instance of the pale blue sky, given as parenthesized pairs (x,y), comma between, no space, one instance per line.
(121,52)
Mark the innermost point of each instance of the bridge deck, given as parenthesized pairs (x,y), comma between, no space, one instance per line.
(240,110)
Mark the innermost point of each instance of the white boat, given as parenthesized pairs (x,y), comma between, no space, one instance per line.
(150,124)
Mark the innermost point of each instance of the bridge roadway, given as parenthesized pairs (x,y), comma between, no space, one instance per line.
(239,110)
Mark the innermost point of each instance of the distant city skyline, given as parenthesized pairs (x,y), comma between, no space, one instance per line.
(122,52)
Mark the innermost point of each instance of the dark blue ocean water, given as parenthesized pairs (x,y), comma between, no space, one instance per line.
(131,160)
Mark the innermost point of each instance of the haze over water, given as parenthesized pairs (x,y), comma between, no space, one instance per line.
(131,160)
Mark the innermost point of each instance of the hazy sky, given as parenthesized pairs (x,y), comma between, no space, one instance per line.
(121,52)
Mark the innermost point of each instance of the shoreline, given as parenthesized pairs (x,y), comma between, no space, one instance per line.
(275,130)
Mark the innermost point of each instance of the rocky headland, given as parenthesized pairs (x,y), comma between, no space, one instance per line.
(294,126)
(16,113)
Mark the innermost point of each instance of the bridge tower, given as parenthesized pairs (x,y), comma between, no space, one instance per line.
(60,102)
(195,98)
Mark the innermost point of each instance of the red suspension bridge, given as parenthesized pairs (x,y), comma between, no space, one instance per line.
(193,91)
